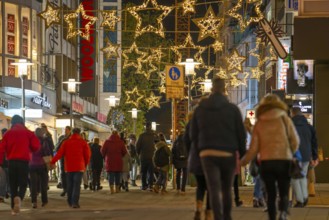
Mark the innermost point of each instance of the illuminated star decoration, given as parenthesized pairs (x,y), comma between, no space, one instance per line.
(209,25)
(149,28)
(188,44)
(149,63)
(239,79)
(162,76)
(153,101)
(111,50)
(218,46)
(132,63)
(244,20)
(222,74)
(50,15)
(71,18)
(133,97)
(256,73)
(235,61)
(188,6)
(277,31)
(110,19)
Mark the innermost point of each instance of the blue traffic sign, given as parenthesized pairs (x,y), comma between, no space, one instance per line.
(174,73)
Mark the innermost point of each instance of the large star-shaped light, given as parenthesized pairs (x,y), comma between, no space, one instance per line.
(238,79)
(149,28)
(209,25)
(50,15)
(71,18)
(188,6)
(110,19)
(111,50)
(149,64)
(132,63)
(243,19)
(189,44)
(153,101)
(133,97)
(234,62)
(256,73)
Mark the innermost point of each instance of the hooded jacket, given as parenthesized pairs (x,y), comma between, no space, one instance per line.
(145,145)
(308,146)
(217,124)
(113,151)
(274,136)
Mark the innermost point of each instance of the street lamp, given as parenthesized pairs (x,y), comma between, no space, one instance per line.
(189,72)
(134,112)
(207,85)
(71,88)
(112,102)
(154,126)
(22,72)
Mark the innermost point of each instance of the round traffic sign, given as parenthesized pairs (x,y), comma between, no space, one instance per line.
(174,73)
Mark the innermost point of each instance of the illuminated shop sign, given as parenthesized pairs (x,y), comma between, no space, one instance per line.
(42,101)
(304,105)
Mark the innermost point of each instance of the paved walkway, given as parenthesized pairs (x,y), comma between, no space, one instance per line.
(141,205)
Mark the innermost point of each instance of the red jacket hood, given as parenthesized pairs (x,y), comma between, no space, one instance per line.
(114,138)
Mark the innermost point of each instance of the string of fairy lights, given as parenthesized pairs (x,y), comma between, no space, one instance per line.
(147,62)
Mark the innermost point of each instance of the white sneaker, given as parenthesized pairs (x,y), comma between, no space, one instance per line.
(17,204)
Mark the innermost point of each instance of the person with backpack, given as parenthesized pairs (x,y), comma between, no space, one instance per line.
(161,161)
(179,157)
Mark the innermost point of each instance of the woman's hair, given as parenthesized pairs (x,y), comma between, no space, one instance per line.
(114,132)
(96,140)
(162,137)
(269,102)
(39,132)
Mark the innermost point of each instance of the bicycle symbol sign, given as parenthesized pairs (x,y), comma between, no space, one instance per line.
(174,73)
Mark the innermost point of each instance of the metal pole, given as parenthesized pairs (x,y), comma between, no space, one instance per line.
(134,121)
(189,79)
(71,110)
(23,98)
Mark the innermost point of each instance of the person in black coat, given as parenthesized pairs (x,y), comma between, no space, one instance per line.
(179,159)
(96,164)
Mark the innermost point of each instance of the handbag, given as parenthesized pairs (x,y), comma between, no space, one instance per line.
(254,168)
(295,168)
(47,157)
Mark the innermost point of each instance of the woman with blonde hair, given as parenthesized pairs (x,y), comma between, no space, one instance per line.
(275,139)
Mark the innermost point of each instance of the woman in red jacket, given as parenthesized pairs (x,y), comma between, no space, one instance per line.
(113,150)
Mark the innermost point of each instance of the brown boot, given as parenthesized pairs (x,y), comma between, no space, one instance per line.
(156,188)
(208,214)
(197,214)
(112,189)
(117,189)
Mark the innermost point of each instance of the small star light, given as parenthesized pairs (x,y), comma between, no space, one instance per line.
(256,73)
(188,44)
(110,19)
(71,18)
(239,79)
(218,46)
(209,25)
(129,63)
(235,61)
(243,20)
(133,97)
(50,15)
(222,74)
(188,6)
(111,50)
(149,28)
(162,89)
(153,101)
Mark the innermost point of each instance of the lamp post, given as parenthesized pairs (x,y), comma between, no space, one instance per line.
(71,88)
(22,72)
(134,112)
(112,102)
(189,72)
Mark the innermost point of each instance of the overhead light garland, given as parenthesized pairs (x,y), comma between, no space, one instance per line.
(189,44)
(134,97)
(153,101)
(134,11)
(243,20)
(188,6)
(110,19)
(70,19)
(256,73)
(238,79)
(218,46)
(132,63)
(234,61)
(50,15)
(111,50)
(209,25)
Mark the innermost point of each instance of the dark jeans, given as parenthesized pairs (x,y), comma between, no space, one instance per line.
(114,178)
(219,172)
(147,171)
(18,177)
(39,180)
(73,187)
(96,178)
(63,176)
(181,185)
(275,173)
(162,178)
(201,189)
(236,188)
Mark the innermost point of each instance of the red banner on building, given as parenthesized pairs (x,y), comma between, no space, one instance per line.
(88,53)
(11,68)
(11,44)
(11,23)
(77,107)
(25,26)
(101,117)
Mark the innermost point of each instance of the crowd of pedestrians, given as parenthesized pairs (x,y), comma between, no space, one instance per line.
(213,147)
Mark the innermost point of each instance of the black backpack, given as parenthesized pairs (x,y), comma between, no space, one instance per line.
(180,152)
(161,157)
